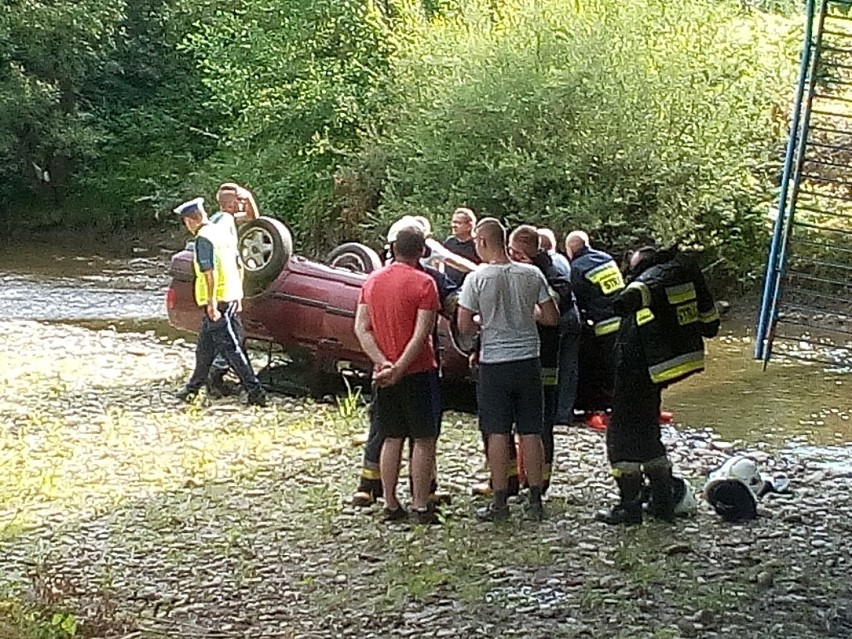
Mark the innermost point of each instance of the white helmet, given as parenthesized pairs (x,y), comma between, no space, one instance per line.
(733,489)
(739,468)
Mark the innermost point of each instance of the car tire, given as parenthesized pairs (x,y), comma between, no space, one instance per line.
(465,344)
(265,246)
(354,256)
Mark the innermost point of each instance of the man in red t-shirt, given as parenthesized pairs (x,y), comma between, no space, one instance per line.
(394,321)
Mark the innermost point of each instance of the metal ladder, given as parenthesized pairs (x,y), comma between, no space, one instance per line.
(806,305)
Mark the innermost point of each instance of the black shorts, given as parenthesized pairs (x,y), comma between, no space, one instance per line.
(410,408)
(510,393)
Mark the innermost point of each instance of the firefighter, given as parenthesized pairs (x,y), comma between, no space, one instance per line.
(596,280)
(524,246)
(667,311)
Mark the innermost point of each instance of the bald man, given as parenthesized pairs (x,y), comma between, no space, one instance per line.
(509,298)
(597,281)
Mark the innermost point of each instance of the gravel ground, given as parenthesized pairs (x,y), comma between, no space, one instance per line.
(125,513)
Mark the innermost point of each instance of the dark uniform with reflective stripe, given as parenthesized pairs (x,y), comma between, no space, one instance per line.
(549,353)
(667,311)
(596,281)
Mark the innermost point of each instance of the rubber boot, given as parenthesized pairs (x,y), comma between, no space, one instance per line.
(369,486)
(513,483)
(546,473)
(628,512)
(661,505)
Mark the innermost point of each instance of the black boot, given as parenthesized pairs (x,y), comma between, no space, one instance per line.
(662,503)
(369,489)
(546,473)
(623,514)
(257,398)
(628,512)
(216,386)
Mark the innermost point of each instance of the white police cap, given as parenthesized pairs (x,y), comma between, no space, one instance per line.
(191,207)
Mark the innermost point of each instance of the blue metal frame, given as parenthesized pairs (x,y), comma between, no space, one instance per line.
(774,262)
(784,248)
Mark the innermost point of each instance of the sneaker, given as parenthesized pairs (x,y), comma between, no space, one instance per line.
(621,515)
(427,517)
(363,499)
(257,398)
(492,513)
(398,514)
(187,395)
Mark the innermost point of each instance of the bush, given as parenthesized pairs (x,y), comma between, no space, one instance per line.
(637,120)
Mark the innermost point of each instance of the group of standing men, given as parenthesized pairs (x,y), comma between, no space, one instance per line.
(529,309)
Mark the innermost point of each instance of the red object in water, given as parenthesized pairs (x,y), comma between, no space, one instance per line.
(600,421)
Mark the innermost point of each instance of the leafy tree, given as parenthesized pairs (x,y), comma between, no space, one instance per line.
(47,50)
(634,120)
(299,83)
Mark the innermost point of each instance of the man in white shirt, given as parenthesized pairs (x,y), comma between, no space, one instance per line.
(510,298)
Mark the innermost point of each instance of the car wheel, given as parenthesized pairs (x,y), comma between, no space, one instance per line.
(354,257)
(265,246)
(465,344)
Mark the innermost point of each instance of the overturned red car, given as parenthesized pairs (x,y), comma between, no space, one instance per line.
(305,307)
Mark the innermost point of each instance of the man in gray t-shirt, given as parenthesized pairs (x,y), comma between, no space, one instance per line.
(509,298)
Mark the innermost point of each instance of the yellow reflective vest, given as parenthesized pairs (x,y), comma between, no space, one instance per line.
(227,280)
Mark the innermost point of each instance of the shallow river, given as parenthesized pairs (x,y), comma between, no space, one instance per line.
(803,409)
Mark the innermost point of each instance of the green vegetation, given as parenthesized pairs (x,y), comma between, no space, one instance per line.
(633,119)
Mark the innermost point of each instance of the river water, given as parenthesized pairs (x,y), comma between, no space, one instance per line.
(795,407)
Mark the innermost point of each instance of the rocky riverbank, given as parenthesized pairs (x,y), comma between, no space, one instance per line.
(125,513)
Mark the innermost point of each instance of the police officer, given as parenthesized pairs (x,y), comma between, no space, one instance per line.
(596,280)
(218,291)
(667,311)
